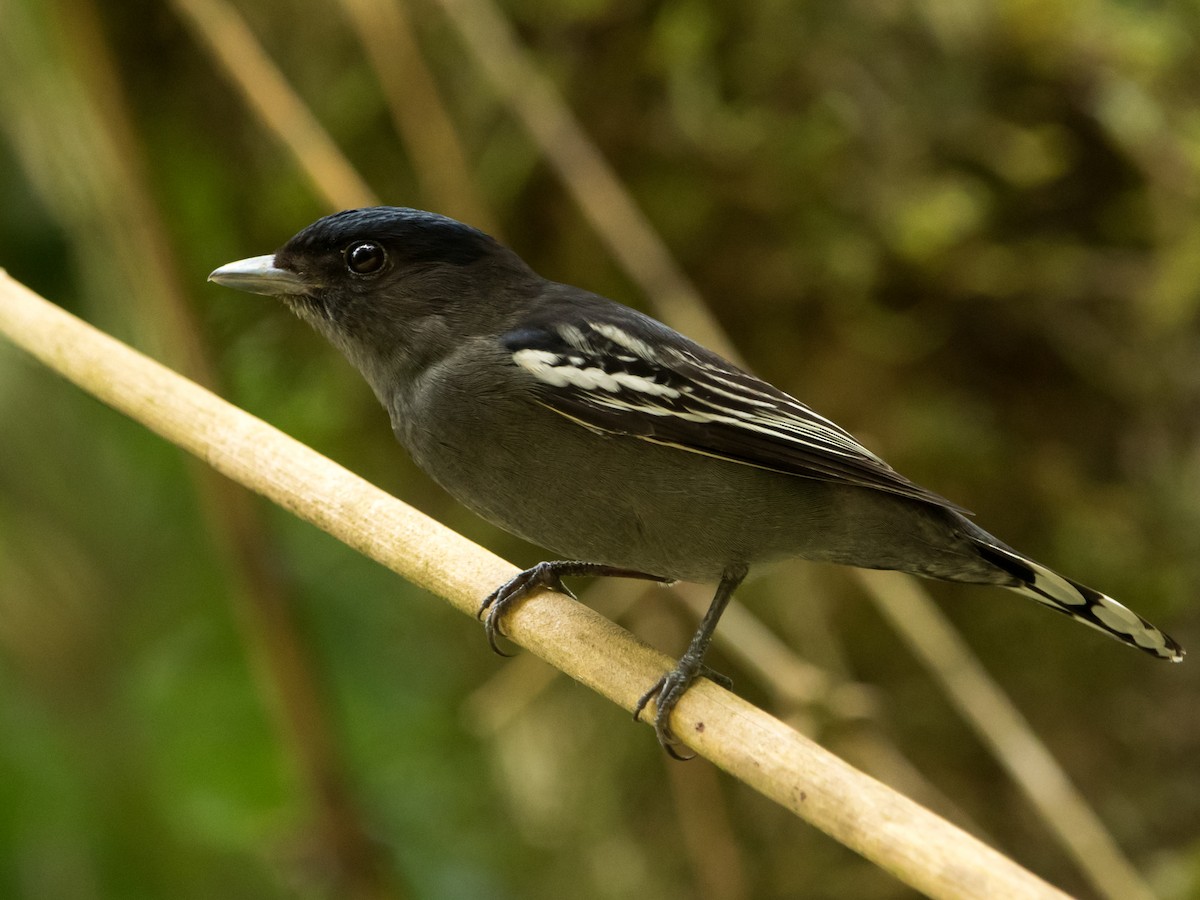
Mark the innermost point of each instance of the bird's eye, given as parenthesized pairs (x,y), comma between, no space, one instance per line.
(365,258)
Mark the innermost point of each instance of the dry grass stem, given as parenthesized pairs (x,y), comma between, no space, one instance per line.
(905,839)
(1005,731)
(221,30)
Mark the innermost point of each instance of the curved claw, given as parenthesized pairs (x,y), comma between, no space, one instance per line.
(520,586)
(666,693)
(491,629)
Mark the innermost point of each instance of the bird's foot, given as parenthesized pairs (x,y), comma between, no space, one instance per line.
(666,693)
(545,575)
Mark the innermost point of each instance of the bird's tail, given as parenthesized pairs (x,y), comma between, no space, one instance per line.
(1081,603)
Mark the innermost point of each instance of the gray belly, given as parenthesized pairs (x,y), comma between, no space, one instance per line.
(627,502)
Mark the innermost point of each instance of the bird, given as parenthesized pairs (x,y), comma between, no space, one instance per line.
(597,432)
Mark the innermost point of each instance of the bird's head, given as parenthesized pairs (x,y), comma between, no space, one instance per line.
(391,287)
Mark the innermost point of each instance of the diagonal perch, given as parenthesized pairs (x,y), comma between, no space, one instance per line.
(905,839)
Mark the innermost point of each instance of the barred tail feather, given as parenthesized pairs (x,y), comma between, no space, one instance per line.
(1081,603)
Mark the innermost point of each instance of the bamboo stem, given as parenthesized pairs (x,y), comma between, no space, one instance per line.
(1000,725)
(902,837)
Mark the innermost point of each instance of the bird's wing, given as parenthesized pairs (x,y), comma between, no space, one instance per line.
(658,386)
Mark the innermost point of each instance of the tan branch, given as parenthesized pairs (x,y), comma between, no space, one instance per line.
(907,840)
(108,209)
(998,722)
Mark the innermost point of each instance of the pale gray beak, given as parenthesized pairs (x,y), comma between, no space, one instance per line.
(259,275)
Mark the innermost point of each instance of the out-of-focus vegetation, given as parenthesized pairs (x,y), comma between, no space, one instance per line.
(968,231)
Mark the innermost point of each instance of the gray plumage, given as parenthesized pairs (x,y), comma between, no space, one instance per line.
(599,433)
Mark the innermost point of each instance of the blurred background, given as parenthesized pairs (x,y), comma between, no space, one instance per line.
(968,231)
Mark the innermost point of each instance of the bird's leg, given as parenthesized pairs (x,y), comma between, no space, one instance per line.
(544,575)
(667,690)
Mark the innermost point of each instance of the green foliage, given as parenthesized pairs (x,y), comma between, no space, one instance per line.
(967,231)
